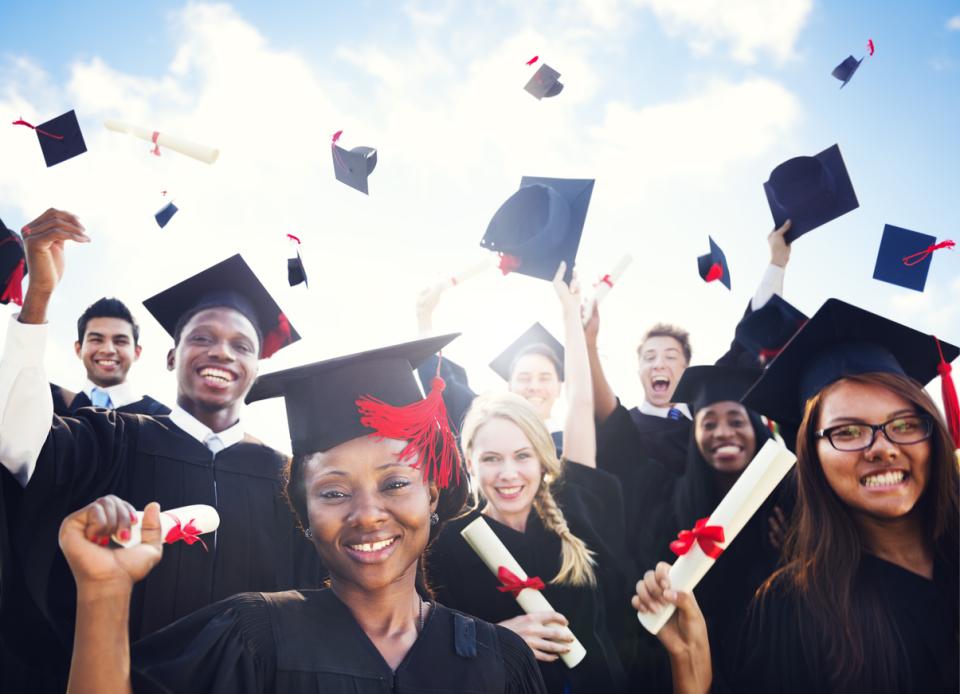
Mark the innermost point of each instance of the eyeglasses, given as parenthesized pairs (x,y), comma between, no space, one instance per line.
(859,437)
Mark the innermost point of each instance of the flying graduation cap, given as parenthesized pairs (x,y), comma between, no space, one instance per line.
(60,138)
(545,83)
(713,266)
(904,257)
(165,214)
(845,70)
(296,274)
(13,266)
(535,340)
(354,166)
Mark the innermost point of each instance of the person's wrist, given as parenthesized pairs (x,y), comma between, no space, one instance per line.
(104,592)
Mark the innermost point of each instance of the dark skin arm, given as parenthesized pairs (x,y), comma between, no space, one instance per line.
(43,241)
(604,399)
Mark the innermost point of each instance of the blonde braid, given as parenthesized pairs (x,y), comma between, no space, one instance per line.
(576,569)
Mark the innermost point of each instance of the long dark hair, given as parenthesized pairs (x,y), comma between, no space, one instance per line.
(851,636)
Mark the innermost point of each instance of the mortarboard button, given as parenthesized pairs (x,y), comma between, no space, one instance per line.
(713,266)
(765,331)
(540,225)
(845,70)
(535,340)
(810,191)
(13,266)
(544,83)
(165,214)
(904,257)
(354,166)
(60,138)
(701,386)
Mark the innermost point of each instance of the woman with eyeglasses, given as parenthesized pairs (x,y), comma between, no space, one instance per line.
(867,598)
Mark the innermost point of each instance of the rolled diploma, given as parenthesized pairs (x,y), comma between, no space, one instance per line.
(202,153)
(205,518)
(754,485)
(603,288)
(472,271)
(494,554)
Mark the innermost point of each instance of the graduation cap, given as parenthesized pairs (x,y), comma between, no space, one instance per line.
(232,284)
(354,166)
(904,257)
(13,266)
(844,71)
(701,386)
(540,225)
(544,83)
(165,214)
(60,138)
(370,393)
(535,340)
(844,340)
(810,191)
(713,266)
(296,274)
(765,331)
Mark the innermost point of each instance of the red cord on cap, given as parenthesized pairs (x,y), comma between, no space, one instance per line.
(948,391)
(870,46)
(509,263)
(14,289)
(533,60)
(33,127)
(919,257)
(293,238)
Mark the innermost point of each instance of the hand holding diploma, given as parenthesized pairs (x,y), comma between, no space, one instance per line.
(185,524)
(208,155)
(604,285)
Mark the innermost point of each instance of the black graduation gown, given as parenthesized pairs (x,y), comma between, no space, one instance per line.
(779,651)
(145,405)
(600,617)
(308,642)
(143,459)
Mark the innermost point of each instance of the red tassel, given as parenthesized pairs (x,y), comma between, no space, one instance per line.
(917,258)
(533,60)
(336,136)
(948,391)
(715,273)
(293,238)
(156,145)
(424,426)
(14,289)
(33,127)
(509,263)
(870,46)
(276,338)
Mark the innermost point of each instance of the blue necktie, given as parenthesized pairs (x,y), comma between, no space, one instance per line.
(100,398)
(675,414)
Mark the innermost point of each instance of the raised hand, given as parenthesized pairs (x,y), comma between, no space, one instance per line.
(591,326)
(569,295)
(546,633)
(427,302)
(43,240)
(779,248)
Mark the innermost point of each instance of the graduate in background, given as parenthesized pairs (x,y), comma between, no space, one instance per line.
(108,343)
(559,517)
(370,502)
(221,321)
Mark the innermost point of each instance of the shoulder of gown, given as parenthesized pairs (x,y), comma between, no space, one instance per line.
(520,667)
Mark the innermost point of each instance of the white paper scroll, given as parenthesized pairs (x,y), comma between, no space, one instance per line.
(208,155)
(198,519)
(477,268)
(747,494)
(494,554)
(604,286)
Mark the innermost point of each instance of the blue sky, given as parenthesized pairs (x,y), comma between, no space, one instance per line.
(679,110)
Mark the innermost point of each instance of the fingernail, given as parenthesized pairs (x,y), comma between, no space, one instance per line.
(103,541)
(124,534)
(670,594)
(133,517)
(25,229)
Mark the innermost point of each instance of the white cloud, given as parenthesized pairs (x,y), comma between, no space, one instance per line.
(953,24)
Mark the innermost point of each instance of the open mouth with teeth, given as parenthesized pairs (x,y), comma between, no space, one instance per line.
(884,480)
(370,552)
(218,378)
(107,364)
(508,493)
(660,384)
(727,450)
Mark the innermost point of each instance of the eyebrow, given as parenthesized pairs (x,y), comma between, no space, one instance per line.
(343,473)
(860,420)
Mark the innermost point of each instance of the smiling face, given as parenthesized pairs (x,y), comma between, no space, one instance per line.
(886,480)
(107,351)
(534,378)
(725,437)
(368,511)
(216,360)
(506,469)
(661,364)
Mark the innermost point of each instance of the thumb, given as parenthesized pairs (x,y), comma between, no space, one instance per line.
(150,525)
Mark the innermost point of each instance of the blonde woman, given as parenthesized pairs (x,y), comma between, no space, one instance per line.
(562,520)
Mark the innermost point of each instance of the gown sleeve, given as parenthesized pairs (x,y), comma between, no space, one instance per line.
(224,648)
(520,667)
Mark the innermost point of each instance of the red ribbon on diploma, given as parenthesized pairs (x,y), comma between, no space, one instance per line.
(156,145)
(189,533)
(607,280)
(705,535)
(917,258)
(512,583)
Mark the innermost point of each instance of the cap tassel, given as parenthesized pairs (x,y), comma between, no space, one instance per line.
(425,427)
(33,127)
(715,273)
(14,289)
(533,60)
(509,263)
(948,392)
(276,338)
(919,257)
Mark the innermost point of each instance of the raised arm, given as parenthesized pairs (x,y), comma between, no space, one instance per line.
(604,400)
(772,281)
(579,431)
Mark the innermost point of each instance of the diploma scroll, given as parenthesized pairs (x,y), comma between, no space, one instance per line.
(208,155)
(747,494)
(604,286)
(470,272)
(186,523)
(494,554)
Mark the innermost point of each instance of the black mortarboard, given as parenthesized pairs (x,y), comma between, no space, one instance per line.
(295,271)
(354,166)
(765,331)
(535,340)
(842,340)
(545,82)
(165,214)
(540,225)
(701,386)
(13,266)
(844,71)
(60,138)
(713,266)
(230,283)
(903,258)
(810,191)
(334,401)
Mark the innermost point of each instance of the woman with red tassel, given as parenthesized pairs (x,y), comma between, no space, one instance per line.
(374,476)
(867,598)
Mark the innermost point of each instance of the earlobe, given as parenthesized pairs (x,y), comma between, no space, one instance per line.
(171,359)
(76,348)
(136,352)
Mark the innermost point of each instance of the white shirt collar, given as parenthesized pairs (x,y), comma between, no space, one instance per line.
(201,432)
(120,394)
(647,408)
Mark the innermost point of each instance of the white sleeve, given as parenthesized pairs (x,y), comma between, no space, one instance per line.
(770,284)
(26,406)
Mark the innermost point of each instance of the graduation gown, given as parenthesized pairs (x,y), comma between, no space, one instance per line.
(600,617)
(66,403)
(143,459)
(308,642)
(779,651)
